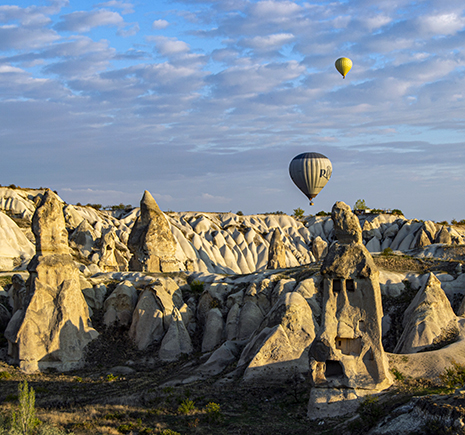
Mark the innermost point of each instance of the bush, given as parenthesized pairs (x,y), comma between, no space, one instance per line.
(196,286)
(323,213)
(239,213)
(213,411)
(170,432)
(298,213)
(396,211)
(454,376)
(25,420)
(5,375)
(186,406)
(96,206)
(387,252)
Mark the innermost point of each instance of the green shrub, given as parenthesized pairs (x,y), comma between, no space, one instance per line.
(5,375)
(126,428)
(111,377)
(387,252)
(399,376)
(323,213)
(186,406)
(170,432)
(454,376)
(298,213)
(396,211)
(25,420)
(196,286)
(213,411)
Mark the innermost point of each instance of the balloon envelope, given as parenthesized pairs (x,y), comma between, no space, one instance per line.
(310,172)
(343,65)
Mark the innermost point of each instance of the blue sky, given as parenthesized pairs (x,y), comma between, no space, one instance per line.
(205,103)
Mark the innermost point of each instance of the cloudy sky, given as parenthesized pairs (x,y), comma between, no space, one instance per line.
(205,103)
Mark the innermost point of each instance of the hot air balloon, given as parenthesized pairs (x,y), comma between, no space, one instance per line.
(310,172)
(343,65)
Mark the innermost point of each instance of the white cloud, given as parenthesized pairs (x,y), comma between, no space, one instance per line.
(270,42)
(168,46)
(442,24)
(127,8)
(160,24)
(84,21)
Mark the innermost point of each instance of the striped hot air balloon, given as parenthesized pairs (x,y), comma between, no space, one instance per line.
(310,172)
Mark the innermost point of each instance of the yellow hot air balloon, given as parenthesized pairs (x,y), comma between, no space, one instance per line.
(343,65)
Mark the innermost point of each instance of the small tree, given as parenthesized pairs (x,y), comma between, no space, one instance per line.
(25,420)
(360,205)
(298,213)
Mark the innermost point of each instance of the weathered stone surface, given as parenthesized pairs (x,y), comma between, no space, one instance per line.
(48,226)
(18,292)
(53,327)
(83,238)
(334,402)
(151,241)
(421,240)
(428,315)
(176,340)
(250,318)
(443,236)
(346,224)
(277,252)
(5,317)
(213,332)
(347,352)
(120,305)
(221,358)
(152,316)
(112,253)
(279,348)
(15,248)
(319,248)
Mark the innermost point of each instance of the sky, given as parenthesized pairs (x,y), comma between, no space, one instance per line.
(205,103)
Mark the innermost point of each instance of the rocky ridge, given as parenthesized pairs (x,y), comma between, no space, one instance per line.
(248,323)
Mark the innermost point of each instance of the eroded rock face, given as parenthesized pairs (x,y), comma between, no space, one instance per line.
(426,318)
(53,327)
(347,352)
(279,348)
(151,241)
(277,252)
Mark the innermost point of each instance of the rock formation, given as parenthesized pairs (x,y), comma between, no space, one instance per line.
(426,318)
(277,252)
(151,241)
(279,348)
(347,358)
(52,328)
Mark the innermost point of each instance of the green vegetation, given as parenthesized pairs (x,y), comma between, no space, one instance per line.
(454,376)
(111,378)
(213,411)
(298,213)
(187,406)
(323,213)
(239,213)
(196,286)
(399,376)
(25,420)
(387,252)
(360,205)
